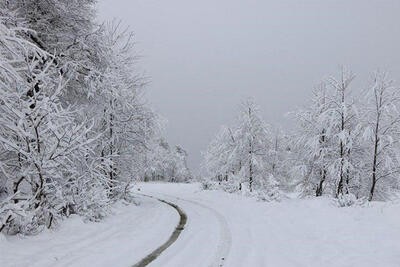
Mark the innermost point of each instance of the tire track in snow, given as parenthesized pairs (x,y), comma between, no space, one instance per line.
(225,239)
(178,230)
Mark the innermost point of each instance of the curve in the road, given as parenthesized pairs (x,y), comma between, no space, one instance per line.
(178,230)
(225,240)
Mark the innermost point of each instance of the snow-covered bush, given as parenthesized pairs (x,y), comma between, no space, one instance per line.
(348,200)
(269,191)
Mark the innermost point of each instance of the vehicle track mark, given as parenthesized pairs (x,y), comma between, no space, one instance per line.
(225,240)
(178,230)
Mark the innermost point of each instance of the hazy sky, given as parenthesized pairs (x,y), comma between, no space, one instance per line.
(205,56)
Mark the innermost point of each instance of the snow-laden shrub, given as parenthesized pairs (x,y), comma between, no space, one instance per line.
(231,184)
(207,184)
(348,200)
(269,190)
(221,185)
(90,202)
(17,217)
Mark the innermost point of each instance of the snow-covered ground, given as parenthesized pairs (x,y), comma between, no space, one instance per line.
(310,232)
(223,229)
(120,240)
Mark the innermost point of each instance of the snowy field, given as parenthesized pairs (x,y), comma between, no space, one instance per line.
(223,229)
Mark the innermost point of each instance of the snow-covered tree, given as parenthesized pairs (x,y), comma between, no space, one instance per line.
(65,29)
(44,151)
(252,143)
(313,143)
(341,114)
(117,107)
(217,158)
(166,163)
(281,158)
(328,142)
(75,130)
(243,154)
(382,120)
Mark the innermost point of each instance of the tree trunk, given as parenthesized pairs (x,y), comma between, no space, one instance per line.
(376,144)
(4,225)
(250,158)
(320,186)
(342,152)
(250,166)
(111,147)
(251,177)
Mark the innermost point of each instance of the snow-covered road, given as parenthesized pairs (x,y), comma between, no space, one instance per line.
(205,227)
(175,235)
(221,230)
(307,232)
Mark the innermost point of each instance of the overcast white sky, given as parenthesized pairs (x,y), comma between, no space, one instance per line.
(205,56)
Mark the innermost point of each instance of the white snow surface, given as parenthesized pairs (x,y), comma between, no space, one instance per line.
(243,231)
(120,240)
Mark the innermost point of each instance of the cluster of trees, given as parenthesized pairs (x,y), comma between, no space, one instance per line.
(167,164)
(75,131)
(350,145)
(247,155)
(344,146)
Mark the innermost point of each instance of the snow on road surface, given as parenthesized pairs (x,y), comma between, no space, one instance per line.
(222,230)
(206,240)
(308,232)
(175,235)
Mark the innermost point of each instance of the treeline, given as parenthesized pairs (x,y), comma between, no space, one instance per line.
(75,131)
(346,145)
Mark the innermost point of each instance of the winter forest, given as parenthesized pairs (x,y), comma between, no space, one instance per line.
(75,132)
(89,177)
(345,146)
